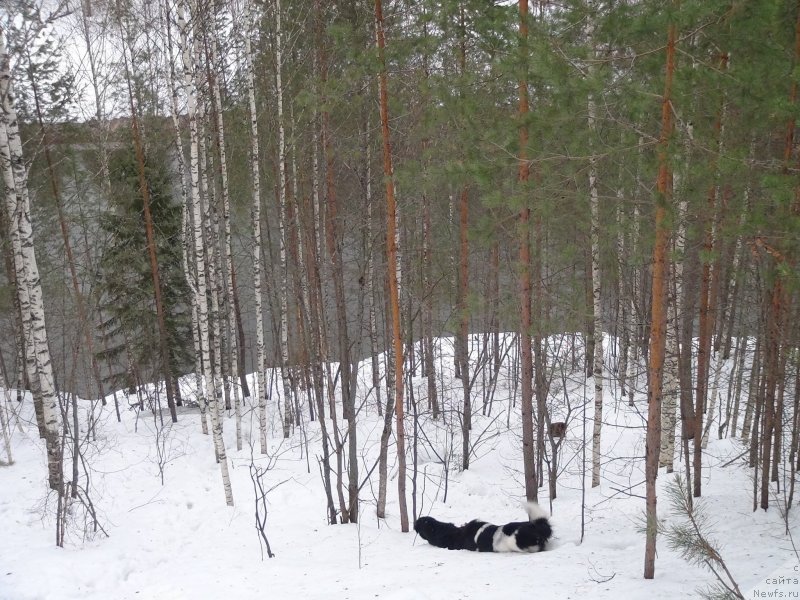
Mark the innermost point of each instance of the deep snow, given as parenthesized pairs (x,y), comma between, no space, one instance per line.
(180,541)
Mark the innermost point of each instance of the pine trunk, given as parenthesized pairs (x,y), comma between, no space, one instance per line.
(144,190)
(658,311)
(393,265)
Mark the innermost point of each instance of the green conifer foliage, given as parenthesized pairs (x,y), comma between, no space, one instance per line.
(127,295)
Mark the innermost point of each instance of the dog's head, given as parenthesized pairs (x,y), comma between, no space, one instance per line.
(425,526)
(532,537)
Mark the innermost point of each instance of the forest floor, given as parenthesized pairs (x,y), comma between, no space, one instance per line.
(178,540)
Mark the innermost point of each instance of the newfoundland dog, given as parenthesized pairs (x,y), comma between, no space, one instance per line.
(530,536)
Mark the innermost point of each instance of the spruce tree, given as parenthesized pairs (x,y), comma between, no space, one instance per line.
(127,295)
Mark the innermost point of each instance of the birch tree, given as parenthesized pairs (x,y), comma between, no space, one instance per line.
(230,289)
(200,287)
(29,288)
(5,422)
(255,213)
(671,383)
(597,359)
(283,226)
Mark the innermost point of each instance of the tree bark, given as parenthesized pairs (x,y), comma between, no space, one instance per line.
(463,319)
(144,190)
(392,239)
(657,311)
(29,287)
(199,255)
(597,359)
(526,357)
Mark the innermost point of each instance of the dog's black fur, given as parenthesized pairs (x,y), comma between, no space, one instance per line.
(530,536)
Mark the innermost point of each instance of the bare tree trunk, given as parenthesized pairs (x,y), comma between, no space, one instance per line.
(462,344)
(391,394)
(316,330)
(255,214)
(704,350)
(427,309)
(333,245)
(658,312)
(283,227)
(736,385)
(597,362)
(622,299)
(20,360)
(772,362)
(165,365)
(4,422)
(752,388)
(29,288)
(671,381)
(62,220)
(526,358)
(199,256)
(393,266)
(634,315)
(211,248)
(232,308)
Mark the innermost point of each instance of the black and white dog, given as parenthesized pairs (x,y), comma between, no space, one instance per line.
(478,535)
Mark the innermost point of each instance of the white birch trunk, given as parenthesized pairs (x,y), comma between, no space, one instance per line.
(255,213)
(188,234)
(671,381)
(283,227)
(633,315)
(597,363)
(233,351)
(185,225)
(212,257)
(4,422)
(198,354)
(15,178)
(199,257)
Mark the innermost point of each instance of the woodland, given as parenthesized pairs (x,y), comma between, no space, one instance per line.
(455,228)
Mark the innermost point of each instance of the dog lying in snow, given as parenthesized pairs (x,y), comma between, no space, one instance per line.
(530,536)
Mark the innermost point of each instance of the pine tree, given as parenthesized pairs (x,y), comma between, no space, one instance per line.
(658,310)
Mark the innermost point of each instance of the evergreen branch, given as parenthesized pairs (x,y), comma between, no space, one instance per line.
(691,540)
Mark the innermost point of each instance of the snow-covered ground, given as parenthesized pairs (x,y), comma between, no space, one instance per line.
(180,541)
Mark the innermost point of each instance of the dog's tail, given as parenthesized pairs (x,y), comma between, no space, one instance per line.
(535,512)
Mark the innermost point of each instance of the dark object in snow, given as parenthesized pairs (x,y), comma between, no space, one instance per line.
(557,430)
(478,535)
